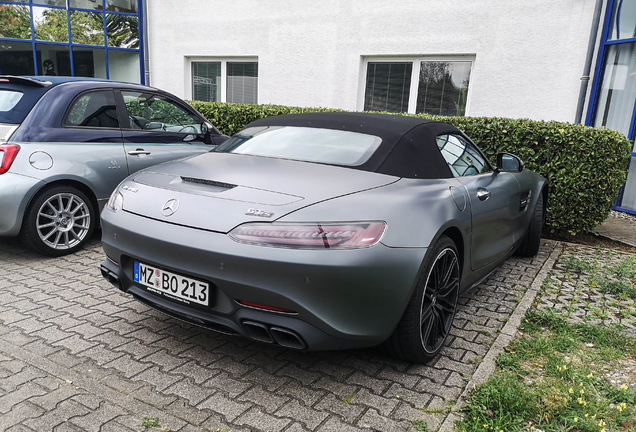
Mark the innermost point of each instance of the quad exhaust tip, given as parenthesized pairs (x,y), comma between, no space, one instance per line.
(276,335)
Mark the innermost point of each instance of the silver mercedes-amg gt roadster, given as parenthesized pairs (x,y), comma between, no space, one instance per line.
(323,231)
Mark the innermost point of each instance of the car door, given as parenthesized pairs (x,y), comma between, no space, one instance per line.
(157,129)
(491,196)
(87,146)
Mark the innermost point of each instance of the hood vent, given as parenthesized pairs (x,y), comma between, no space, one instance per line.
(208,182)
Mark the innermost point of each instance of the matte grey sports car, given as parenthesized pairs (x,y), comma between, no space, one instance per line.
(323,231)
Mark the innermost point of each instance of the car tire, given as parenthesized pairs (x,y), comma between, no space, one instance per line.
(58,221)
(531,242)
(428,318)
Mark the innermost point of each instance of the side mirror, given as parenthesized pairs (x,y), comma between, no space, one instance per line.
(507,162)
(206,129)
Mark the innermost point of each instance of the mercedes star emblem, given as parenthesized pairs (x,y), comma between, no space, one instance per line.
(170,207)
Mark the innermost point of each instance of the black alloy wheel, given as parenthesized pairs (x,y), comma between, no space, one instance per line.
(439,301)
(428,318)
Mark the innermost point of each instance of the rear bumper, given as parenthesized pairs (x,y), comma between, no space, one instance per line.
(16,192)
(340,299)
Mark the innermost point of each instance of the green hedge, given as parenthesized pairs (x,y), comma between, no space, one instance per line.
(585,166)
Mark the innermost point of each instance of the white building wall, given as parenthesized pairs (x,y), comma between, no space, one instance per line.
(529,56)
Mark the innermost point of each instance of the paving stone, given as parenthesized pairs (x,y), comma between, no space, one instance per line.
(154,376)
(230,385)
(269,381)
(311,418)
(372,420)
(270,402)
(334,424)
(348,411)
(62,413)
(304,394)
(25,375)
(130,361)
(197,373)
(51,399)
(193,393)
(258,419)
(19,413)
(225,406)
(93,421)
(128,366)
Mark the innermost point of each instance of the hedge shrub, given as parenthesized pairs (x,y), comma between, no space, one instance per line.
(585,166)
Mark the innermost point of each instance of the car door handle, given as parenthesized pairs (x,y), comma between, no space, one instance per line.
(138,152)
(483,194)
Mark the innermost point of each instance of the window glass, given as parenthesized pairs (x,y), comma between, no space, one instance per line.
(122,31)
(124,66)
(305,144)
(53,60)
(623,21)
(149,111)
(87,28)
(50,2)
(461,156)
(388,86)
(443,87)
(50,24)
(128,6)
(86,4)
(15,21)
(242,82)
(89,62)
(617,92)
(93,109)
(16,58)
(9,99)
(206,81)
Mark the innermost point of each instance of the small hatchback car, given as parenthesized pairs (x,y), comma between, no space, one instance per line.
(65,144)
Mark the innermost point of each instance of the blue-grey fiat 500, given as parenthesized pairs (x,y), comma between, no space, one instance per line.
(65,144)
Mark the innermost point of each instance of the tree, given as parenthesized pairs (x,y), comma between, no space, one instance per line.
(15,22)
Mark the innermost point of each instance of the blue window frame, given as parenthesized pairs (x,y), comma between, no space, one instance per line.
(94,38)
(613,94)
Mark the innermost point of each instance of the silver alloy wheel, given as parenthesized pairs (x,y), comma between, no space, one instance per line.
(63,221)
(439,300)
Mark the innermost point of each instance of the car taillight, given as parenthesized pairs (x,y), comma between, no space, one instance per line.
(8,152)
(310,236)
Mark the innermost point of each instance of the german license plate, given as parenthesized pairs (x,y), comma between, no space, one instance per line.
(171,285)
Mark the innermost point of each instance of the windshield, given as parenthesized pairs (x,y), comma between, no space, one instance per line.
(9,99)
(305,144)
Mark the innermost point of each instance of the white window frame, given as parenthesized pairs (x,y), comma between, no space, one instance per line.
(224,61)
(415,74)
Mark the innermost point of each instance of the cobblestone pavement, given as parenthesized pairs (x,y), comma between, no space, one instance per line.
(78,355)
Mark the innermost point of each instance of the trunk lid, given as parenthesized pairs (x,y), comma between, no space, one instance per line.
(218,191)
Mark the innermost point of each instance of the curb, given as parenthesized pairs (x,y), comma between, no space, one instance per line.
(487,366)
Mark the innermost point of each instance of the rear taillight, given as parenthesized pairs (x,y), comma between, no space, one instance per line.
(350,235)
(8,152)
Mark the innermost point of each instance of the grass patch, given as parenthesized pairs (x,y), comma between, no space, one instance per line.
(552,378)
(349,398)
(153,422)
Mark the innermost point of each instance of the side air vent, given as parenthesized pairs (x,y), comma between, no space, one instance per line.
(208,182)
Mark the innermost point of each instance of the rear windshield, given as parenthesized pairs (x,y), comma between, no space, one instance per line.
(9,99)
(327,146)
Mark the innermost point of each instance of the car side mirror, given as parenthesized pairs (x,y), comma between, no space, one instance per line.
(206,129)
(507,162)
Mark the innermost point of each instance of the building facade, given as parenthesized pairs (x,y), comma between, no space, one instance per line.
(563,60)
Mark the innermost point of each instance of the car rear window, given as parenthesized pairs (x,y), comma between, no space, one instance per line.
(335,147)
(9,99)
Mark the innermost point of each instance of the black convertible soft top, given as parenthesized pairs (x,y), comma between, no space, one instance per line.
(408,147)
